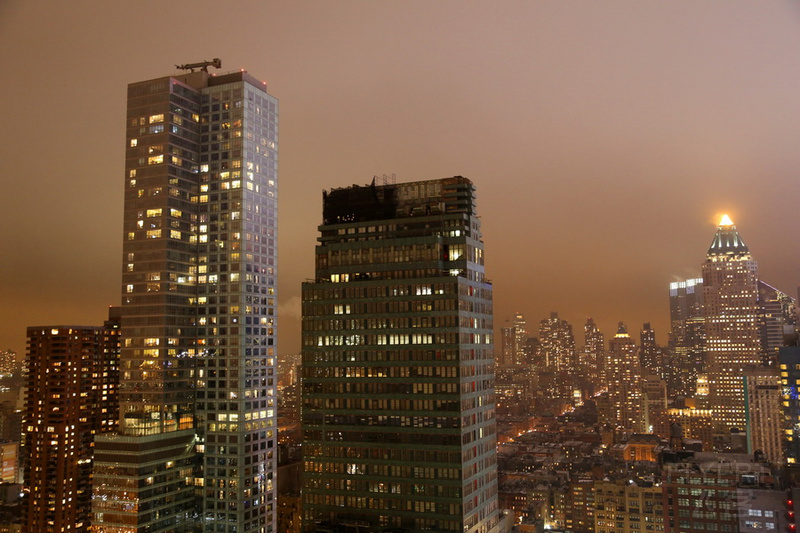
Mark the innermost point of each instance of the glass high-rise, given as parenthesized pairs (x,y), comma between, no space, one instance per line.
(196,447)
(398,377)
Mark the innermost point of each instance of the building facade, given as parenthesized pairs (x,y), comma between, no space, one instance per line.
(762,389)
(398,393)
(196,446)
(789,368)
(733,340)
(71,397)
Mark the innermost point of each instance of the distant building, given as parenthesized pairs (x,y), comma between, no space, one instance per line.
(398,370)
(557,349)
(649,352)
(8,362)
(10,462)
(594,352)
(71,397)
(762,388)
(508,347)
(678,424)
(777,318)
(733,336)
(623,373)
(520,338)
(687,336)
(789,368)
(654,399)
(627,506)
(557,343)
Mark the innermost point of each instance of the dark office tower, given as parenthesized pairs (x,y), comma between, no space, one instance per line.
(686,348)
(398,380)
(70,399)
(733,340)
(198,310)
(594,351)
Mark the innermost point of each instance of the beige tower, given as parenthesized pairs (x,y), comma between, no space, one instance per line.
(764,413)
(730,291)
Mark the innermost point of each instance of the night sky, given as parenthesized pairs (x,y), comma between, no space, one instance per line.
(605,138)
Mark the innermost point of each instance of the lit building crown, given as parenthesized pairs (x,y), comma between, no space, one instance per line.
(727,241)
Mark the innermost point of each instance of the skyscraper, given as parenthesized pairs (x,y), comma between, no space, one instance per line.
(686,337)
(733,341)
(398,392)
(197,429)
(557,349)
(508,347)
(595,353)
(520,338)
(557,343)
(623,373)
(649,352)
(71,397)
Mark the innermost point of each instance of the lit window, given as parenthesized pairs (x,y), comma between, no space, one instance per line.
(134,142)
(155,159)
(156,118)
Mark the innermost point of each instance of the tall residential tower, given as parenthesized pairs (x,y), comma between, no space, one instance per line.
(197,428)
(71,397)
(398,379)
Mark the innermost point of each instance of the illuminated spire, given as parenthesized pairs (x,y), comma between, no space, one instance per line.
(725,221)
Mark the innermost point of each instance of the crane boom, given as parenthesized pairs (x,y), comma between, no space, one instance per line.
(202,65)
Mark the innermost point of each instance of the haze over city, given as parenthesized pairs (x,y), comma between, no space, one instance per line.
(605,139)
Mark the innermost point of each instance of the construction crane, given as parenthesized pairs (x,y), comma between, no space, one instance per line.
(202,65)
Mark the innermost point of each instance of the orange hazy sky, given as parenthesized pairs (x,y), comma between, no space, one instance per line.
(605,137)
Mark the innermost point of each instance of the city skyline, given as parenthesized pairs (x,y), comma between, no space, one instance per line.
(620,131)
